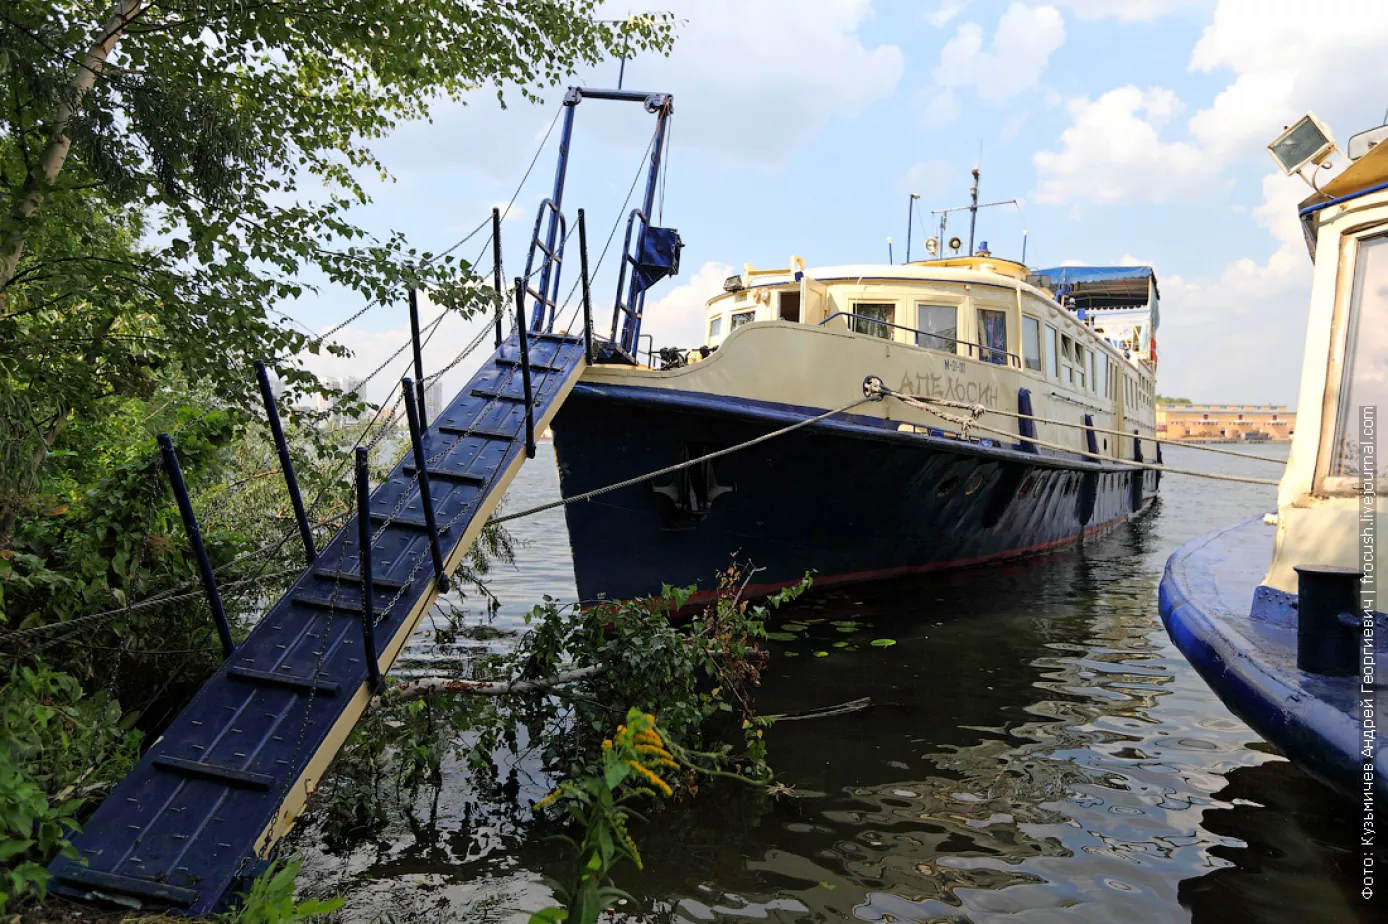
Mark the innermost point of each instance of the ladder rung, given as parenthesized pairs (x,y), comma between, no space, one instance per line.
(338,604)
(354,577)
(559,338)
(445,474)
(130,885)
(500,396)
(479,432)
(215,772)
(271,678)
(401,520)
(538,367)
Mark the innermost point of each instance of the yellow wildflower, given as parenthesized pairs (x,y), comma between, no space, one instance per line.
(655,780)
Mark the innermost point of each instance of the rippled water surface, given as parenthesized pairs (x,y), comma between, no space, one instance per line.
(1036,750)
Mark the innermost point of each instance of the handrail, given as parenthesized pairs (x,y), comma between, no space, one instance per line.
(1013,358)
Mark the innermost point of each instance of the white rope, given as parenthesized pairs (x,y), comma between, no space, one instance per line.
(979,409)
(589,495)
(925,405)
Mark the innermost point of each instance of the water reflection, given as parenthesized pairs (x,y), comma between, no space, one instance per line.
(1035,748)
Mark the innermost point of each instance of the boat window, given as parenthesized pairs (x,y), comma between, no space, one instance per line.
(790,306)
(1079,365)
(1052,360)
(1093,382)
(1101,375)
(715,327)
(1067,347)
(1364,377)
(741,318)
(1031,342)
(937,327)
(872,318)
(992,336)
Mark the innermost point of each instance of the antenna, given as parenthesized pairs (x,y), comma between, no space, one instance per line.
(910,209)
(626,46)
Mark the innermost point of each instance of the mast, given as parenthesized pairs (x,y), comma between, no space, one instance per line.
(973,210)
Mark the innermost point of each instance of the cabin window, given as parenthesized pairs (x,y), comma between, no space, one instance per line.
(1067,358)
(1031,342)
(992,336)
(1364,377)
(790,307)
(1093,382)
(1052,356)
(715,327)
(1079,365)
(874,318)
(937,327)
(741,318)
(1101,375)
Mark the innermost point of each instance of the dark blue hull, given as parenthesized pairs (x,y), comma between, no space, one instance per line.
(1242,639)
(848,499)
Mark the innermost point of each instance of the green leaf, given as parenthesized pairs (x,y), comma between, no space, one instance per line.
(883,642)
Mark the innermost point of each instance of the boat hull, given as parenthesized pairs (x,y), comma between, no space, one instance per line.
(849,499)
(1241,637)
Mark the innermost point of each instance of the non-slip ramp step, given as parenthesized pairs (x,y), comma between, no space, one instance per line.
(176,833)
(444,474)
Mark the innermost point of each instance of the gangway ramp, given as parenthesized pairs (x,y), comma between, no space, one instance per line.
(230,775)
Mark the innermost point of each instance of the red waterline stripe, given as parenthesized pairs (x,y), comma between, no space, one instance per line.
(855,577)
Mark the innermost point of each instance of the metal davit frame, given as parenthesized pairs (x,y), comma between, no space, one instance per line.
(656,250)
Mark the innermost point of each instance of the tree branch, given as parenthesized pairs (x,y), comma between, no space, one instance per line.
(427,686)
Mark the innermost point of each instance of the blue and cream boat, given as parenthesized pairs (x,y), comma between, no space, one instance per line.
(1280,615)
(885,489)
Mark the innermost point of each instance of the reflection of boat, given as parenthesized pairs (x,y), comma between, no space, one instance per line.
(888,488)
(1293,648)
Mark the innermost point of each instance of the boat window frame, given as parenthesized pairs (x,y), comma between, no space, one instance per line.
(958,303)
(734,323)
(1351,243)
(715,327)
(986,352)
(1052,349)
(1040,359)
(856,316)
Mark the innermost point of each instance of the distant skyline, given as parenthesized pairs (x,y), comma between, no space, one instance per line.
(1133,131)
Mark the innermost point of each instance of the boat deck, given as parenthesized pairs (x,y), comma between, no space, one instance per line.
(1241,637)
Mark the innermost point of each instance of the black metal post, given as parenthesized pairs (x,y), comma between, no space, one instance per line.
(190,525)
(525,369)
(1329,619)
(1090,440)
(496,264)
(368,589)
(422,473)
(587,296)
(286,464)
(418,358)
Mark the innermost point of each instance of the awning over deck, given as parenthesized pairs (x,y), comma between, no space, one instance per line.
(1101,286)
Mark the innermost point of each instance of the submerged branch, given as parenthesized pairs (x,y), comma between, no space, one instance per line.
(421,687)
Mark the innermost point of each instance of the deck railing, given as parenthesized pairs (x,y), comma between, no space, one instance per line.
(984,353)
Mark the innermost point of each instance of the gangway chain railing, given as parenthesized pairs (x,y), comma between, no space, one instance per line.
(230,774)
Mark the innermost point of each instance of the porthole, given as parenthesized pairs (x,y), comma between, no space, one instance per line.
(974,483)
(949,484)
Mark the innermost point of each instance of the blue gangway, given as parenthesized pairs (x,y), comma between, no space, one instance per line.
(229,776)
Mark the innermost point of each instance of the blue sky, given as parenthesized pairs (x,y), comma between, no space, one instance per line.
(1132,131)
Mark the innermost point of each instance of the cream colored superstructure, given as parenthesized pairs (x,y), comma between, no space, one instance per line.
(1321,512)
(794,344)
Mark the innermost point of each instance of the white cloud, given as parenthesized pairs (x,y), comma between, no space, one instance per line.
(1286,59)
(677,318)
(1021,47)
(928,179)
(945,13)
(1113,152)
(941,108)
(1133,10)
(1236,336)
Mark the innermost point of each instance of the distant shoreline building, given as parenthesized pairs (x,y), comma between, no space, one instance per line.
(1224,422)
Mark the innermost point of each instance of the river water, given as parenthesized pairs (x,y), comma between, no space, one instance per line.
(1036,750)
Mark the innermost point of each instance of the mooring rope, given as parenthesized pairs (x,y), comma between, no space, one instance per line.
(977,410)
(597,492)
